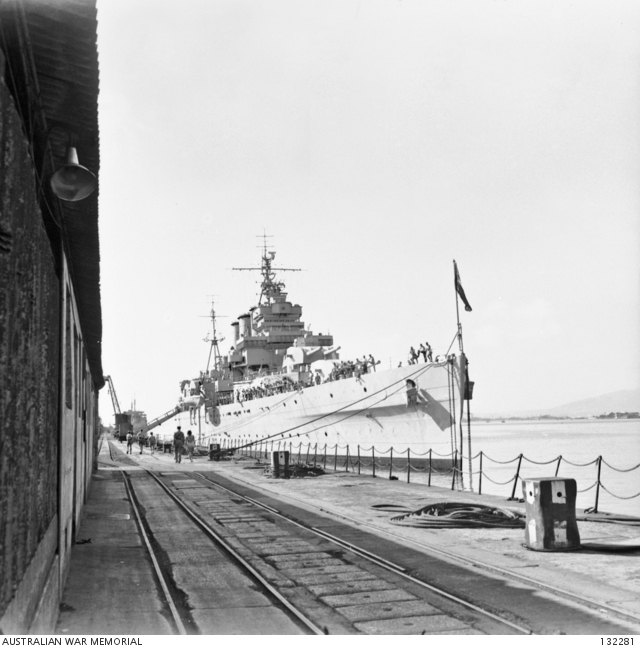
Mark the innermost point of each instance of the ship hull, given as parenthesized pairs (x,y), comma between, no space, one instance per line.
(348,416)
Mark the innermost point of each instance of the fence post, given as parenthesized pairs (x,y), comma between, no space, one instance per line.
(429,483)
(306,459)
(455,468)
(480,478)
(558,465)
(515,480)
(324,464)
(358,459)
(315,455)
(346,464)
(595,507)
(335,459)
(373,455)
(391,464)
(408,467)
(299,451)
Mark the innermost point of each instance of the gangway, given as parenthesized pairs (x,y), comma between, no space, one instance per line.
(162,418)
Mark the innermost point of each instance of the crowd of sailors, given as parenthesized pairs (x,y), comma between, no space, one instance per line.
(347,369)
(275,386)
(341,370)
(424,350)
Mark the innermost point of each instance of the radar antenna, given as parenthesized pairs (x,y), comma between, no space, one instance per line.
(270,289)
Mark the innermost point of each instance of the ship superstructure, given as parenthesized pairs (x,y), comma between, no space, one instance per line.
(271,336)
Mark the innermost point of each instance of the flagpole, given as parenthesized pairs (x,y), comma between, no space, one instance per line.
(466,377)
(455,277)
(455,283)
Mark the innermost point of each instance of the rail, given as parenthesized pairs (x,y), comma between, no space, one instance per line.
(389,461)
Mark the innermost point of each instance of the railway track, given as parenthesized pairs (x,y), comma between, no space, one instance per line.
(323,577)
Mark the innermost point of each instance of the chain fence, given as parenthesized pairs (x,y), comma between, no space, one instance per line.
(436,467)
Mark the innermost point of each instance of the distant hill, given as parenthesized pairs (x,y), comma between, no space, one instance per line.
(621,401)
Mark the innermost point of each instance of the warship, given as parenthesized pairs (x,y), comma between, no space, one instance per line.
(280,385)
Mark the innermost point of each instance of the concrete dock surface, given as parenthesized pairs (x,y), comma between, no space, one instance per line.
(111,590)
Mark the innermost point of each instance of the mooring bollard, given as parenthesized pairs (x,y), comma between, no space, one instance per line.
(214,452)
(550,505)
(280,464)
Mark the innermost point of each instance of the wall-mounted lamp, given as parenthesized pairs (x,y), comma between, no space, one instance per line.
(73,182)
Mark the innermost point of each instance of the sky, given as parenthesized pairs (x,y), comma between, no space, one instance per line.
(374,142)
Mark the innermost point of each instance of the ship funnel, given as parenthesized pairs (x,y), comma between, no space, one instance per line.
(244,325)
(236,331)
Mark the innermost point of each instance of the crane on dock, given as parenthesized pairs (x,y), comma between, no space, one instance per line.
(114,398)
(123,420)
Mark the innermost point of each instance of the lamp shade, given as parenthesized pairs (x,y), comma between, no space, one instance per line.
(73,182)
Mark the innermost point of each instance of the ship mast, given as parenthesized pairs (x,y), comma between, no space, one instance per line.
(214,349)
(269,288)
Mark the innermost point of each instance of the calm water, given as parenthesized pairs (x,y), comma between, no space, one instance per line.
(579,441)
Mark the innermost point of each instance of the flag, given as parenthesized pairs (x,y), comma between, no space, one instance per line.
(459,289)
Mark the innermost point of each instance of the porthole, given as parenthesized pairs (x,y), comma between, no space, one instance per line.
(365,389)
(331,395)
(295,401)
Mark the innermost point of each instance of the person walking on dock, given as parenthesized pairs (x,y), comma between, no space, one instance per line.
(129,442)
(190,443)
(152,443)
(178,443)
(142,438)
